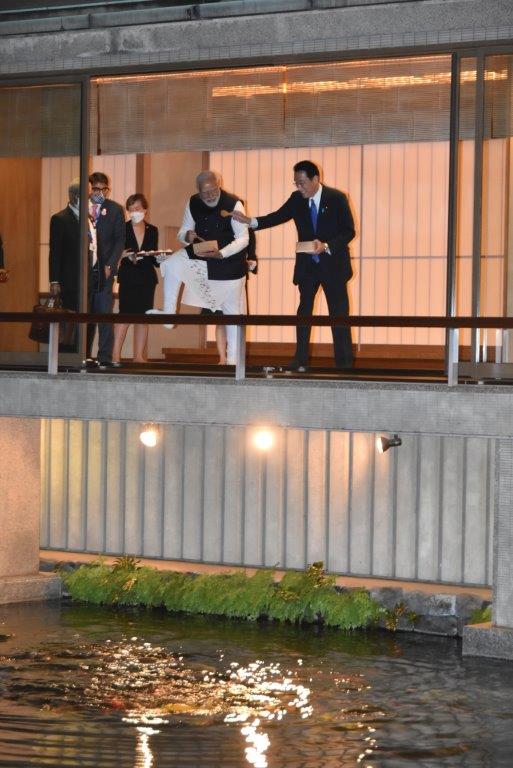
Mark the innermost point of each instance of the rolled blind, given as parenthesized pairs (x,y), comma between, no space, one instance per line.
(40,121)
(340,103)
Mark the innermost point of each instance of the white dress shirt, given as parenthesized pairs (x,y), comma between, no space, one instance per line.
(239,230)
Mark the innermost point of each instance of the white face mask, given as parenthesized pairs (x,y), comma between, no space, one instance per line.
(137,216)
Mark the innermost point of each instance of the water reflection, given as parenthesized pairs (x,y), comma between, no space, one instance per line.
(100,689)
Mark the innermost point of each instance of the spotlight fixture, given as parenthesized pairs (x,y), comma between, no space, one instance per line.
(149,435)
(384,443)
(263,439)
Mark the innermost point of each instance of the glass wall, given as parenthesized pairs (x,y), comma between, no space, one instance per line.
(378,128)
(39,158)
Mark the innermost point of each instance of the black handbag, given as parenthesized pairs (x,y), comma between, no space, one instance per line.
(40,331)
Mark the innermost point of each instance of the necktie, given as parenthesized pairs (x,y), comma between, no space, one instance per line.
(313,216)
(96,209)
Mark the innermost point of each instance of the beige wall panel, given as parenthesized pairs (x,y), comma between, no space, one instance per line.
(317,496)
(274,502)
(254,503)
(406,509)
(133,479)
(76,485)
(382,515)
(452,508)
(213,501)
(429,533)
(173,439)
(58,479)
(153,503)
(338,500)
(115,491)
(296,499)
(361,503)
(193,496)
(233,492)
(95,485)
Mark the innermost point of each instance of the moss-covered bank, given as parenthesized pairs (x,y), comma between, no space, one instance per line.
(300,596)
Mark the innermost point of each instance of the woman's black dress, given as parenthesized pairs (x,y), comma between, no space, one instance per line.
(137,281)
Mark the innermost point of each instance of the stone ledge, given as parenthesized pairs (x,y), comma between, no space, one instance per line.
(488,641)
(23,589)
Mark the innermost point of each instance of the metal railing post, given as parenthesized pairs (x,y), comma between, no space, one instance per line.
(452,362)
(53,349)
(240,360)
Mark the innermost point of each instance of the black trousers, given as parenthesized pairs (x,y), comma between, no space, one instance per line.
(101,302)
(338,304)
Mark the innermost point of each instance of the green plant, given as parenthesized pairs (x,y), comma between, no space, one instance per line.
(308,596)
(481,615)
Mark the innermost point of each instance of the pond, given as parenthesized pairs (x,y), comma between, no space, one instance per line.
(82,686)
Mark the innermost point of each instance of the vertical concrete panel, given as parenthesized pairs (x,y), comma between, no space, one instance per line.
(134,489)
(193,492)
(406,508)
(76,488)
(361,503)
(383,518)
(452,509)
(295,496)
(233,494)
(20,493)
(114,492)
(58,484)
(254,499)
(338,502)
(316,520)
(173,446)
(274,502)
(492,507)
(96,474)
(152,501)
(503,538)
(476,512)
(429,508)
(44,523)
(214,495)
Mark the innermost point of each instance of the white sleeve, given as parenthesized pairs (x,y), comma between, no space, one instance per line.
(241,235)
(188,224)
(253,223)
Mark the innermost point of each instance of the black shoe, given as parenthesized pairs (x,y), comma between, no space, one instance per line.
(90,363)
(296,367)
(344,366)
(110,364)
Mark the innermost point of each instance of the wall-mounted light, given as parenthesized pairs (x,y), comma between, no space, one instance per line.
(384,443)
(149,435)
(263,438)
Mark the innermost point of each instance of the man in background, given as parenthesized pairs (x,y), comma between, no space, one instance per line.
(64,258)
(106,244)
(4,275)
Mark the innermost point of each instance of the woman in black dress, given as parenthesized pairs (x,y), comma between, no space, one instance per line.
(137,278)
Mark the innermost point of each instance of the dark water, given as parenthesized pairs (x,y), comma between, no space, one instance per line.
(81,686)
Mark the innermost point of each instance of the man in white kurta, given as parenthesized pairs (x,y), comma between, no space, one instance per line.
(216,281)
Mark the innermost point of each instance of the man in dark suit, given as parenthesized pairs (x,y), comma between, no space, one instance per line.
(64,257)
(106,244)
(323,217)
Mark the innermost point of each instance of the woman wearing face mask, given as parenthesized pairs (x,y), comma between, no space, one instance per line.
(137,279)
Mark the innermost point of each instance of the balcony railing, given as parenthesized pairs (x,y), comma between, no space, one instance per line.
(478,369)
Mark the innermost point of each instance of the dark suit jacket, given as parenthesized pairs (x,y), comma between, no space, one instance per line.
(110,238)
(335,226)
(64,260)
(144,270)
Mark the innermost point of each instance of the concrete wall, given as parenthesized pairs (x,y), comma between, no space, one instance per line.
(19,497)
(422,511)
(250,31)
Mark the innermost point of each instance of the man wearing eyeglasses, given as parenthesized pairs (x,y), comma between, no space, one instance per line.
(106,244)
(325,228)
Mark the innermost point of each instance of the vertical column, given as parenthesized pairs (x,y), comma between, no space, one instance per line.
(20,491)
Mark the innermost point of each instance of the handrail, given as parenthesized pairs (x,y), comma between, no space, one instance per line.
(362,321)
(451,324)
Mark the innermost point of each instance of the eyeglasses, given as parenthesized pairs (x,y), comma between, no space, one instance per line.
(103,190)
